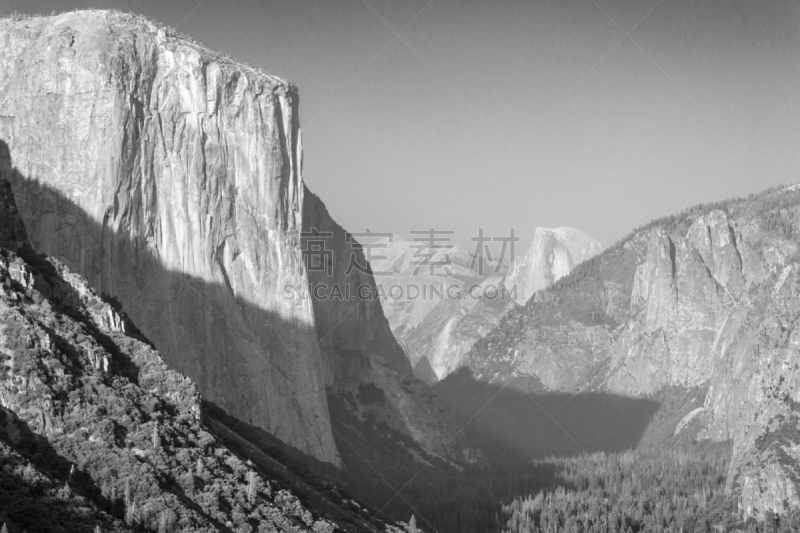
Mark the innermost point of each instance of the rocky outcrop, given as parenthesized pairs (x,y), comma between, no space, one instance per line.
(171,178)
(649,313)
(552,255)
(704,299)
(688,302)
(754,397)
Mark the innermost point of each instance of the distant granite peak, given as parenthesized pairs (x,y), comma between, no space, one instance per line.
(552,255)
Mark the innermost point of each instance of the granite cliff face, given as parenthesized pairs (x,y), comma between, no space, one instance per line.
(703,299)
(171,178)
(361,353)
(552,255)
(92,419)
(649,313)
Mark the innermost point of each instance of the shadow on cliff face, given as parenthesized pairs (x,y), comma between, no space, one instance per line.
(546,424)
(248,328)
(166,305)
(200,303)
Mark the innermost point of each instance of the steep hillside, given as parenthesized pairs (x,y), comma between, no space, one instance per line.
(173,182)
(705,298)
(370,381)
(96,431)
(452,327)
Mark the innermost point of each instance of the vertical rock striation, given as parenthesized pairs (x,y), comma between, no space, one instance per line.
(708,298)
(687,302)
(171,178)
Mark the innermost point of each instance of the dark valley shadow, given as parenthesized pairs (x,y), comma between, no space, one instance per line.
(546,424)
(440,498)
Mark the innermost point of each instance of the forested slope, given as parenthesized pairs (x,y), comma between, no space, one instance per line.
(96,431)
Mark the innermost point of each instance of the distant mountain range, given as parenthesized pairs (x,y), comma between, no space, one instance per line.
(438,328)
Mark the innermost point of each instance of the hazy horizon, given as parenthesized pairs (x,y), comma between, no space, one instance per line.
(518,114)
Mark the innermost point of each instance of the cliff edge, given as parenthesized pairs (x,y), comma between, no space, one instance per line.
(171,178)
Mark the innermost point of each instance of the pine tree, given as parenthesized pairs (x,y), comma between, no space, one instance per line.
(69,477)
(127,512)
(130,515)
(187,482)
(251,490)
(412,525)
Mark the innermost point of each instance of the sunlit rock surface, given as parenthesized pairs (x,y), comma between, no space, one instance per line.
(706,298)
(171,178)
(87,403)
(552,255)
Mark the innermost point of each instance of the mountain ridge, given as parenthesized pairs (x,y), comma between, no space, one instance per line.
(459,300)
(705,297)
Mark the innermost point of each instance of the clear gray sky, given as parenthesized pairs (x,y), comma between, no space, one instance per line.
(519,113)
